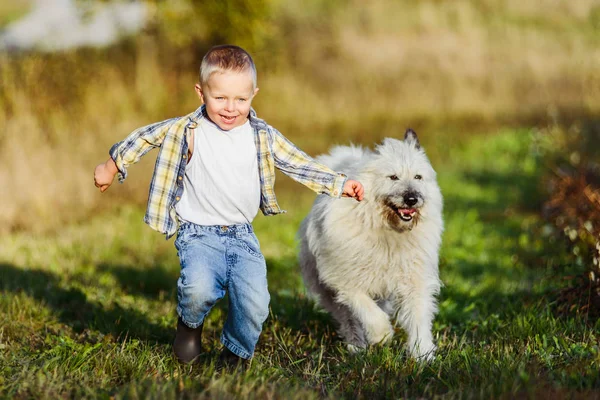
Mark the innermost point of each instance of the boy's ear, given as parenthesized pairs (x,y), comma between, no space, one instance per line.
(199,92)
(255,91)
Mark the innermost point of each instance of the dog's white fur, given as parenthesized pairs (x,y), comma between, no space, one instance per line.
(364,263)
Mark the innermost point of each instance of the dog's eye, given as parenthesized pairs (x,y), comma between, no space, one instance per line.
(393,177)
(419,177)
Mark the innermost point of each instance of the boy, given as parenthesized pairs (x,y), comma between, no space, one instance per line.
(214,170)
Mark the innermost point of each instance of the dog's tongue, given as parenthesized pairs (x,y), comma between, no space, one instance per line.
(407,211)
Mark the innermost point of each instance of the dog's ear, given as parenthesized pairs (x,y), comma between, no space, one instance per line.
(411,138)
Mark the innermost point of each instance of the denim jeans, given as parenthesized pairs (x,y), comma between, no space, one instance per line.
(216,259)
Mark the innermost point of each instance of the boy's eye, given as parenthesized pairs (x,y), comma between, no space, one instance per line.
(419,177)
(393,177)
(242,100)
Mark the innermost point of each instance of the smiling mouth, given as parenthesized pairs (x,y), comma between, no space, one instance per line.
(406,214)
(228,119)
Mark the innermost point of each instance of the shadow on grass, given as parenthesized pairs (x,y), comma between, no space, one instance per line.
(300,313)
(149,281)
(284,274)
(73,308)
(515,191)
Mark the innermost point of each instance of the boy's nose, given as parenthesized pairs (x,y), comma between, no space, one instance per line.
(230,106)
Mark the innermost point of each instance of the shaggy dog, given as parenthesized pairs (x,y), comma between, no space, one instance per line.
(375,261)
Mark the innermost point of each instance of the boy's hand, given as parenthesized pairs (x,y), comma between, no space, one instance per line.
(354,189)
(104,174)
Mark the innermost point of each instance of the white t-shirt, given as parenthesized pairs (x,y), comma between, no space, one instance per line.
(221,185)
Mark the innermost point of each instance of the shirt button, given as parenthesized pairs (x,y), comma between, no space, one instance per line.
(177,198)
(184,156)
(335,193)
(180,178)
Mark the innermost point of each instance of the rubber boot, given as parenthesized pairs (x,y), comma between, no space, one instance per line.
(230,361)
(188,342)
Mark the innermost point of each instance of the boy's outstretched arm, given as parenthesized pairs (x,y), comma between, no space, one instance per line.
(130,150)
(304,169)
(104,174)
(353,189)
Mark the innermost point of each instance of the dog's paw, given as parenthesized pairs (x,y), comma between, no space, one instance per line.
(354,349)
(380,331)
(424,351)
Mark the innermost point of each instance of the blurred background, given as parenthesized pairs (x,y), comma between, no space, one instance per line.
(78,75)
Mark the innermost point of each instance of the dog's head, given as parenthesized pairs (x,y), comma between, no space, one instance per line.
(401,181)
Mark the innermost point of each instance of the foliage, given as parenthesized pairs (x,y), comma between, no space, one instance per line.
(573,178)
(188,23)
(11,11)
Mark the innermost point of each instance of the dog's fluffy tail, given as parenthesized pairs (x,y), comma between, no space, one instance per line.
(344,158)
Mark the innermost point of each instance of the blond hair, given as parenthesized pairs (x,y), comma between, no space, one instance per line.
(226,58)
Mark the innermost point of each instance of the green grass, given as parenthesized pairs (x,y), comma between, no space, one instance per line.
(89,311)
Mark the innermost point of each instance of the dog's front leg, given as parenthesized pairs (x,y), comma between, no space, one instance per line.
(417,309)
(375,321)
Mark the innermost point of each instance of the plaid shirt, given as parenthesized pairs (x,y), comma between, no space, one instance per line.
(272,149)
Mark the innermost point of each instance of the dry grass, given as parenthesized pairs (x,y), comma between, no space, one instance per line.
(11,10)
(332,73)
(449,60)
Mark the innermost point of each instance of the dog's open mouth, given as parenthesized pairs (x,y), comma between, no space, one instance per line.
(406,214)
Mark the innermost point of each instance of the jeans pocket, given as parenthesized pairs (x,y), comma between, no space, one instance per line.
(249,242)
(184,238)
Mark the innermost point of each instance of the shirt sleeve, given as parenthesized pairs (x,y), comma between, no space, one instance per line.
(301,167)
(139,142)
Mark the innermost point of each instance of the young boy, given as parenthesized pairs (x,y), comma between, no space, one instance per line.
(215,169)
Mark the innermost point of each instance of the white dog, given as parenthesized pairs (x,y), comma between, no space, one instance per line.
(374,261)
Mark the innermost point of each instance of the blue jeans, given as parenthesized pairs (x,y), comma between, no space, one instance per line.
(216,259)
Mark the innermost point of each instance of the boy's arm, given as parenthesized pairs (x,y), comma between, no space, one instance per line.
(139,142)
(129,151)
(304,169)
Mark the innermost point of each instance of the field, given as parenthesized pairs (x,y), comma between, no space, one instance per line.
(88,292)
(90,312)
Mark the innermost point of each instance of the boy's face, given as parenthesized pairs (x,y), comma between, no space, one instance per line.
(228,96)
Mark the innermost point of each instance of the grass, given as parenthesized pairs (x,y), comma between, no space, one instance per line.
(89,311)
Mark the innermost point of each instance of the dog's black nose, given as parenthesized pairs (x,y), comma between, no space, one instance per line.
(410,199)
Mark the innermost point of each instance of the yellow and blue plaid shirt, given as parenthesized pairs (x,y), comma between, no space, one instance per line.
(272,149)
